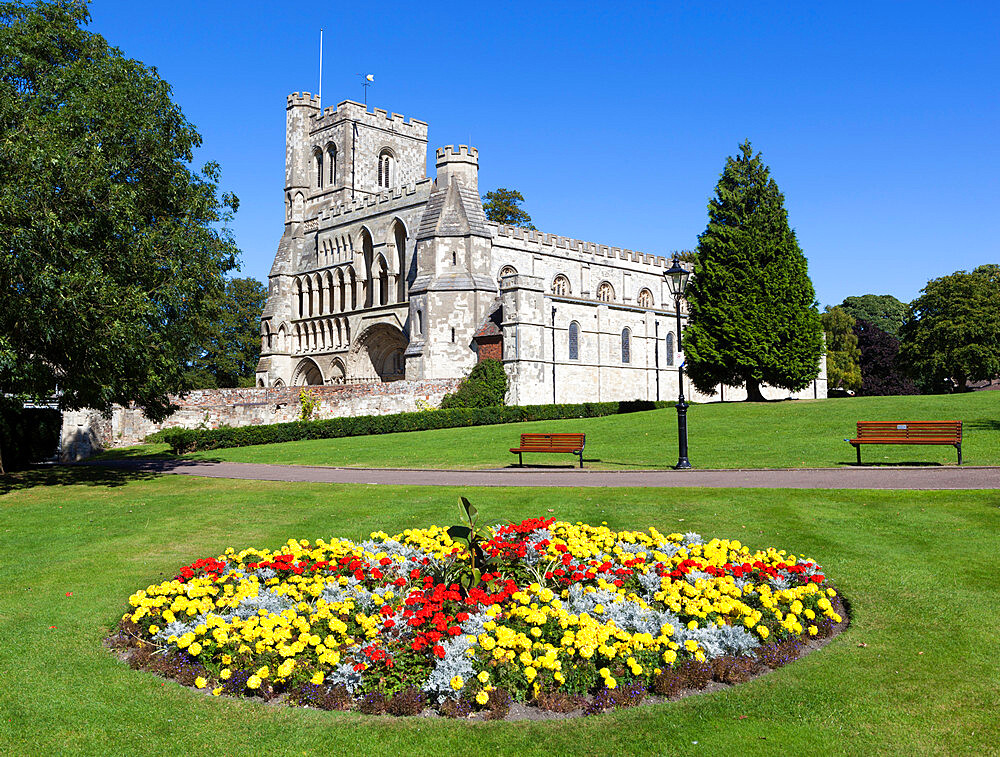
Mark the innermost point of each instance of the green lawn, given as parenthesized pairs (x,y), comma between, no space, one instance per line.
(806,433)
(916,567)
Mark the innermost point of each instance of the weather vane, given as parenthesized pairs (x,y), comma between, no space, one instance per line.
(366,82)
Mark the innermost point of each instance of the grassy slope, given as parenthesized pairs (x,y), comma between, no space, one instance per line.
(738,435)
(916,567)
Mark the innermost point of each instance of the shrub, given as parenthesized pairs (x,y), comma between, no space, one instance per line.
(183,440)
(485,386)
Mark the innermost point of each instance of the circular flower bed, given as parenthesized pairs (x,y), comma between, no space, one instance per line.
(561,615)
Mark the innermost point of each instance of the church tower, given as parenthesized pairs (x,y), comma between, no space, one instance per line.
(453,288)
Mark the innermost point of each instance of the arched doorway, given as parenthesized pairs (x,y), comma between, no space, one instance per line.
(307,374)
(378,353)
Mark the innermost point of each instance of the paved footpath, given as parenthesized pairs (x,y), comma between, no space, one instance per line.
(945,477)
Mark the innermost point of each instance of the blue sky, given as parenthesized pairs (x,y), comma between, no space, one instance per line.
(879,120)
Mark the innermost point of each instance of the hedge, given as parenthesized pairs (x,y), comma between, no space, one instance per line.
(182,440)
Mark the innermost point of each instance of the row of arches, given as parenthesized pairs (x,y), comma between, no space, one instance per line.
(383,281)
(605,291)
(335,249)
(325,334)
(573,338)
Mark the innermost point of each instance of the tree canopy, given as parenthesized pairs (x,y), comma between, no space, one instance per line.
(114,250)
(504,206)
(843,356)
(753,313)
(881,373)
(231,347)
(952,333)
(881,310)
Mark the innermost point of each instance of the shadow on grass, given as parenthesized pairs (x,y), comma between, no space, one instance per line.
(984,425)
(893,464)
(72,475)
(546,466)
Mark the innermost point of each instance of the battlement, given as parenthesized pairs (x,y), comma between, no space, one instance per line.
(463,153)
(411,192)
(303,99)
(376,118)
(585,250)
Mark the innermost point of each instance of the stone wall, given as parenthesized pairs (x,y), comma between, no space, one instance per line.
(87,431)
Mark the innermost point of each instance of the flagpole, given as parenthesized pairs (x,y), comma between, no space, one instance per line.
(320,93)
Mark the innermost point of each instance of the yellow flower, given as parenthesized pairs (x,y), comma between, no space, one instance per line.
(263,672)
(690,645)
(317,678)
(482,697)
(154,629)
(530,674)
(194,649)
(216,691)
(763,631)
(227,659)
(813,630)
(457,683)
(226,674)
(200,682)
(253,682)
(483,677)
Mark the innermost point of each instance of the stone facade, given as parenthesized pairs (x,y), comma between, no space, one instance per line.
(87,431)
(383,274)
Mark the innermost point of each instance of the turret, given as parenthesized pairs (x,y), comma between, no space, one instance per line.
(461,162)
(299,111)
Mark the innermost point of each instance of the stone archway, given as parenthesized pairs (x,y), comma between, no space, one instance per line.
(378,353)
(307,374)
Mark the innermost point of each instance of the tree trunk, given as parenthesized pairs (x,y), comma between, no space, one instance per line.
(753,391)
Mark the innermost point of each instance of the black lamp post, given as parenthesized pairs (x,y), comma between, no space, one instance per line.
(677,278)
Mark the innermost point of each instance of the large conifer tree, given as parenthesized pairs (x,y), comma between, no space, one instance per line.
(753,314)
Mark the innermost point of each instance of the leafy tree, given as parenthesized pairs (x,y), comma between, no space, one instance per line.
(952,333)
(881,310)
(753,314)
(504,206)
(113,250)
(485,386)
(881,373)
(843,369)
(232,345)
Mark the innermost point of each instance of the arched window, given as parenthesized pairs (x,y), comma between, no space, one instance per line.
(331,159)
(507,270)
(420,321)
(560,285)
(386,169)
(645,298)
(669,343)
(606,292)
(319,169)
(626,346)
(574,341)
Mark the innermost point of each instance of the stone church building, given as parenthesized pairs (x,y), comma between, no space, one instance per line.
(383,273)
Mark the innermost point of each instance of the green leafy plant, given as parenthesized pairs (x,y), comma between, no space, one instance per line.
(309,402)
(472,534)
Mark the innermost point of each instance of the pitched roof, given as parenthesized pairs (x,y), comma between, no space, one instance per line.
(453,211)
(491,323)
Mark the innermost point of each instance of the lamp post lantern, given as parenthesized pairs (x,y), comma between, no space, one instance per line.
(677,279)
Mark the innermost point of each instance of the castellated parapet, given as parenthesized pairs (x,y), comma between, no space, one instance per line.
(377,118)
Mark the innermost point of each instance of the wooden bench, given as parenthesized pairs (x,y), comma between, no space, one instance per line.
(916,432)
(571,443)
